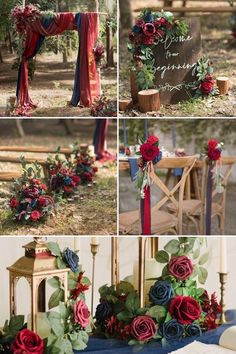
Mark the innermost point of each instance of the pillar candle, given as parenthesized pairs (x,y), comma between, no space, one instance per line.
(43,327)
(223,255)
(94,241)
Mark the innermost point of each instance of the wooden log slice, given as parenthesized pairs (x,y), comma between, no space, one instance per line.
(149,100)
(125,104)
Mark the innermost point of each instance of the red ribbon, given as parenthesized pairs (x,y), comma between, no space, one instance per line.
(146,212)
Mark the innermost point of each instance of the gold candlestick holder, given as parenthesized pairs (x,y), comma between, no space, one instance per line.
(223,280)
(94,251)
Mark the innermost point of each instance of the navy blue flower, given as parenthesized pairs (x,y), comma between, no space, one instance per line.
(136,29)
(149,17)
(161,292)
(103,311)
(67,181)
(72,259)
(193,330)
(171,330)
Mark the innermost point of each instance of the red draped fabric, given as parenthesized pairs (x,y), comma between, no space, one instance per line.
(89,79)
(61,22)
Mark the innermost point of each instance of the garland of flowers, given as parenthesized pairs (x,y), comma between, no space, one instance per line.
(149,152)
(63,180)
(84,166)
(31,202)
(177,307)
(24,15)
(149,28)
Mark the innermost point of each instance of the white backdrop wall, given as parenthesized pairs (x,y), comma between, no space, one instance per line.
(11,250)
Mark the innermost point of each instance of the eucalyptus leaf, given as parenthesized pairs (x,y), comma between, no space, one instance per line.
(173,247)
(162,257)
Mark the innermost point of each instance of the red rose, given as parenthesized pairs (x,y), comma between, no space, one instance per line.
(88,176)
(73,184)
(152,139)
(207,85)
(35,215)
(214,154)
(42,201)
(185,309)
(140,23)
(147,40)
(180,267)
(143,328)
(81,314)
(149,29)
(160,22)
(149,152)
(27,342)
(67,189)
(13,203)
(212,144)
(43,186)
(76,179)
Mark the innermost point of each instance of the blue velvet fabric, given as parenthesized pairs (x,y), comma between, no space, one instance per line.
(76,90)
(111,346)
(133,163)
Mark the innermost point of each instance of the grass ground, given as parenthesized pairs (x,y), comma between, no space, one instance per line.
(220,47)
(94,212)
(52,86)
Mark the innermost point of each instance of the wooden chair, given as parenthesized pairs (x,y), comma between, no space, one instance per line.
(194,209)
(162,222)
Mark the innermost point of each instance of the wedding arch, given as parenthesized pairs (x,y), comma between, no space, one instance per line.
(36,28)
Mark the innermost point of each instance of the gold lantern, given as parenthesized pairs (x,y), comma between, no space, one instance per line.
(36,266)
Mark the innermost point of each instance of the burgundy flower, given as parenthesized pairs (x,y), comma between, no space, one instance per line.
(207,85)
(214,154)
(152,139)
(143,328)
(149,152)
(31,192)
(149,29)
(212,144)
(185,309)
(42,201)
(14,203)
(27,342)
(180,267)
(80,288)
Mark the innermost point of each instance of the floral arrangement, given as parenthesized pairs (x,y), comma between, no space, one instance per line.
(69,321)
(84,166)
(177,307)
(24,15)
(73,317)
(205,85)
(99,53)
(149,29)
(150,153)
(103,107)
(213,150)
(31,203)
(63,180)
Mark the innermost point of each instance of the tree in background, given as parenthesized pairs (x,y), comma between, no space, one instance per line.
(125,14)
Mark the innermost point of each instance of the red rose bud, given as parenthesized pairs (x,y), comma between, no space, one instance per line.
(76,179)
(152,139)
(14,203)
(43,186)
(35,215)
(180,267)
(88,176)
(212,144)
(185,309)
(149,152)
(67,189)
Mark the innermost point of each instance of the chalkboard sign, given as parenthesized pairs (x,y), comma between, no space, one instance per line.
(175,59)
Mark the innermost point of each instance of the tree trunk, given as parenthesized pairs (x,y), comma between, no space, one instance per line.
(109,46)
(168,3)
(125,14)
(10,41)
(1,58)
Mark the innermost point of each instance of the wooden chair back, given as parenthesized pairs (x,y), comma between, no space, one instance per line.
(169,195)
